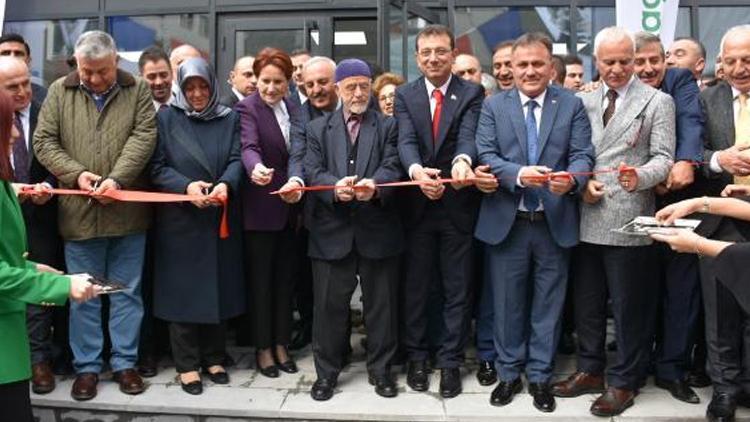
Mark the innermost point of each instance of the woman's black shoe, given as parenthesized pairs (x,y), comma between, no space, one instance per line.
(290,367)
(195,388)
(271,371)
(220,377)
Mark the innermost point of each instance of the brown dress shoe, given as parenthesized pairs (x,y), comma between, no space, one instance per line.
(579,383)
(84,387)
(42,378)
(613,402)
(129,380)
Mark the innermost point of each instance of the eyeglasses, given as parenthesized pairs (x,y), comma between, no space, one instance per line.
(387,97)
(439,52)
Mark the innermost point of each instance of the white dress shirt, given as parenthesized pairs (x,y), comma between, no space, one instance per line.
(282,118)
(433,104)
(538,117)
(238,94)
(714,164)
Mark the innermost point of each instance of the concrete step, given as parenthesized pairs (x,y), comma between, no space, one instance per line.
(252,397)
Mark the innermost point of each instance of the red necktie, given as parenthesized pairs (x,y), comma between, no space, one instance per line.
(438,95)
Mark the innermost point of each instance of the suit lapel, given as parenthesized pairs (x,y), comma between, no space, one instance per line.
(366,141)
(635,101)
(725,108)
(422,108)
(549,111)
(450,103)
(338,136)
(515,110)
(187,138)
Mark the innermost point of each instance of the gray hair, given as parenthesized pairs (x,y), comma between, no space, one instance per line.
(613,34)
(643,38)
(489,83)
(95,45)
(319,59)
(735,30)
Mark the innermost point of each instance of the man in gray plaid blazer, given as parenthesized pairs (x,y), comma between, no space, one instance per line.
(633,125)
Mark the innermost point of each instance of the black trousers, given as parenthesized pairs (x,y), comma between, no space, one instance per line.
(269,267)
(625,275)
(15,402)
(154,331)
(334,283)
(303,284)
(727,326)
(436,244)
(679,308)
(196,345)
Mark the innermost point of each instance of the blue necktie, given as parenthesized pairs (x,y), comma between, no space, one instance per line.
(530,196)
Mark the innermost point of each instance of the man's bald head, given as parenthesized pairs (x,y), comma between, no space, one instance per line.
(467,67)
(179,55)
(15,81)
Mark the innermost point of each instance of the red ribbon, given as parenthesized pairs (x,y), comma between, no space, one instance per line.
(544,178)
(139,196)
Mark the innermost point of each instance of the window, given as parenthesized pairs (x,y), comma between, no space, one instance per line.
(133,34)
(355,38)
(479,29)
(52,42)
(713,23)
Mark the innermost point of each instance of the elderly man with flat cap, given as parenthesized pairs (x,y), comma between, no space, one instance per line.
(354,230)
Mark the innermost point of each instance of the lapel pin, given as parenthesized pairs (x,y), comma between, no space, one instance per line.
(453,97)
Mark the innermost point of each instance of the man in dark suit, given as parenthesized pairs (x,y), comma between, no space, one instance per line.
(727,135)
(354,230)
(632,124)
(531,222)
(15,45)
(437,116)
(678,273)
(297,90)
(242,80)
(40,216)
(318,75)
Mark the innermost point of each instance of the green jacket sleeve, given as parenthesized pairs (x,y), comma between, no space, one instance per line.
(140,145)
(28,285)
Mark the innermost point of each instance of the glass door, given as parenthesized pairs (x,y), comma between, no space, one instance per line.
(240,36)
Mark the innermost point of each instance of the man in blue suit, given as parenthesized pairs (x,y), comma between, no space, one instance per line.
(680,298)
(536,139)
(437,116)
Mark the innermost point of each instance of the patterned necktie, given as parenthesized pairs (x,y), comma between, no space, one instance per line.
(610,110)
(530,196)
(352,125)
(742,132)
(20,154)
(437,94)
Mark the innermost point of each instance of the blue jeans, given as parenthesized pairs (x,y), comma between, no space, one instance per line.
(118,259)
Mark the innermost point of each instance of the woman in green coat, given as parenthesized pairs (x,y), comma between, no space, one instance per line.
(21,282)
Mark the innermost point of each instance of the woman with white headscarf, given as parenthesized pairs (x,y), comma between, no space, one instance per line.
(198,279)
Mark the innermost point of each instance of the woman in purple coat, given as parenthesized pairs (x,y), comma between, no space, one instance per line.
(269,122)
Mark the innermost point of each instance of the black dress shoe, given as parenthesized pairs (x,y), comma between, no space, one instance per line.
(721,408)
(417,376)
(486,374)
(290,367)
(543,398)
(450,382)
(504,392)
(195,388)
(384,385)
(322,390)
(698,379)
(679,390)
(220,377)
(147,366)
(271,371)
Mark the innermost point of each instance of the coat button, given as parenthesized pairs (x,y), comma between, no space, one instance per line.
(25,255)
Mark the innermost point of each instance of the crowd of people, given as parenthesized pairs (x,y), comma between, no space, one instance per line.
(521,178)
